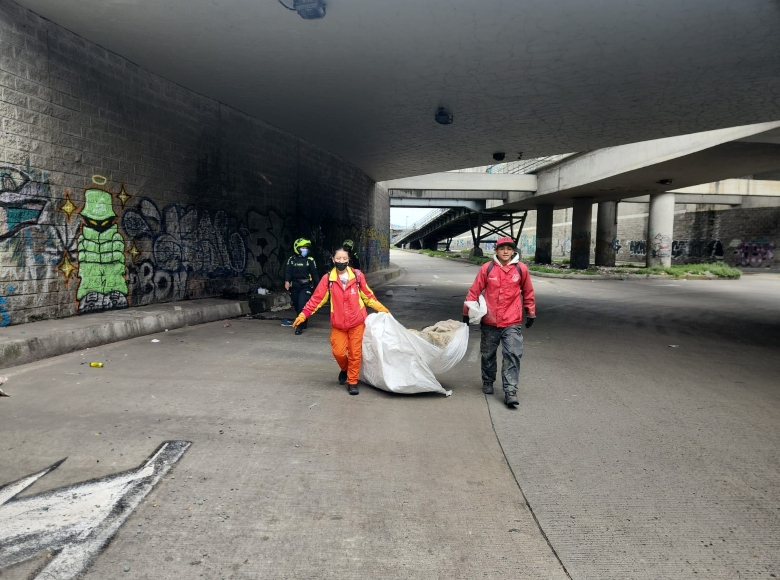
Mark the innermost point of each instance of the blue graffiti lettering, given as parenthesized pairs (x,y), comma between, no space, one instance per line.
(5,318)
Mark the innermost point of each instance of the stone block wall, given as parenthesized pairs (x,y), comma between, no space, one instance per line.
(745,238)
(119,188)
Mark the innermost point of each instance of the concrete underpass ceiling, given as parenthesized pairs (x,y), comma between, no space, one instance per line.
(537,76)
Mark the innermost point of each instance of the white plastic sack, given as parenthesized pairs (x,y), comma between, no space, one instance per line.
(477,309)
(396,360)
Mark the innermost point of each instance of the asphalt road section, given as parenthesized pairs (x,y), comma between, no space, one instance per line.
(286,475)
(646,442)
(648,432)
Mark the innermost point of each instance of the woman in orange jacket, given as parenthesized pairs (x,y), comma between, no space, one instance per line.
(349,295)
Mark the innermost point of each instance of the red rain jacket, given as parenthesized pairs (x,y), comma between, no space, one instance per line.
(507,292)
(347,305)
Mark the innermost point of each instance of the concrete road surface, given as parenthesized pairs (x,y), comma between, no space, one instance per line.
(646,443)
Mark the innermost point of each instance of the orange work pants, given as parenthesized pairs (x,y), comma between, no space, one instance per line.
(347,347)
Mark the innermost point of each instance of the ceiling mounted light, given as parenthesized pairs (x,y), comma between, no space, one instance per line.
(442,116)
(310,9)
(664,182)
(307,9)
(499,155)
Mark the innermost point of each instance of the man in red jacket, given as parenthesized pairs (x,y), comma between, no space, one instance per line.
(508,292)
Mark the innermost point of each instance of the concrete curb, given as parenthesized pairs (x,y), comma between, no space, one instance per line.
(55,337)
(594,276)
(381,276)
(26,343)
(624,276)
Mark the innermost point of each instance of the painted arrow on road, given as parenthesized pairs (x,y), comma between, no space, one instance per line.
(75,522)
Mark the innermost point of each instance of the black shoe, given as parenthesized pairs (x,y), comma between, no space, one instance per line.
(305,324)
(299,330)
(343,378)
(353,390)
(510,399)
(487,389)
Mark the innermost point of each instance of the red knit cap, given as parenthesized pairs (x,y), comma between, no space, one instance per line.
(505,242)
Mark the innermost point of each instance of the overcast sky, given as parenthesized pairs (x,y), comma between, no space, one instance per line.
(403,216)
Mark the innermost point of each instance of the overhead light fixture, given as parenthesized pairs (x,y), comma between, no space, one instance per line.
(499,155)
(664,182)
(442,116)
(307,9)
(310,9)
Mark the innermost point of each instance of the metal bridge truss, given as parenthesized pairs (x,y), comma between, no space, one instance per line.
(483,225)
(499,223)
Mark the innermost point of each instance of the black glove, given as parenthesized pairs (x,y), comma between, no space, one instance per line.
(465,319)
(529,322)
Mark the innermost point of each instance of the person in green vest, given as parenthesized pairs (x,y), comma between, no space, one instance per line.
(101,254)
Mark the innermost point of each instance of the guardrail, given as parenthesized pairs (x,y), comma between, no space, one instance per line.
(426,219)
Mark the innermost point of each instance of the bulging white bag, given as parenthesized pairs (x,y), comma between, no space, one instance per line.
(397,360)
(477,309)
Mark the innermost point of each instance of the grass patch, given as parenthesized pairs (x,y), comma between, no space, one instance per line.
(547,270)
(438,254)
(718,269)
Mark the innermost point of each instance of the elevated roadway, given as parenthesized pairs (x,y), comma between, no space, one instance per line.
(674,166)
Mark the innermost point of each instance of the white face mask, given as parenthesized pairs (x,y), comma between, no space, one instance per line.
(304,252)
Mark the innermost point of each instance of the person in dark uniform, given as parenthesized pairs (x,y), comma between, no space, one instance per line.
(354,261)
(300,277)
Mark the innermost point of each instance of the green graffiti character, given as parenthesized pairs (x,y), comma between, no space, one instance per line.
(101,248)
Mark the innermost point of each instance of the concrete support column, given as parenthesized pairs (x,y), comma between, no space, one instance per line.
(606,233)
(581,218)
(544,234)
(660,229)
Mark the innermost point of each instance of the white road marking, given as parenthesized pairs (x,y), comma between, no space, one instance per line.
(76,522)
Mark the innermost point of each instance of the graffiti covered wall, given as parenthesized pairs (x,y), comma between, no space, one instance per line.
(38,240)
(132,192)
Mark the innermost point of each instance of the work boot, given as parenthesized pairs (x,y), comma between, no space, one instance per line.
(353,390)
(299,330)
(343,378)
(487,389)
(510,399)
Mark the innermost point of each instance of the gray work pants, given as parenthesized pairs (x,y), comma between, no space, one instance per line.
(511,339)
